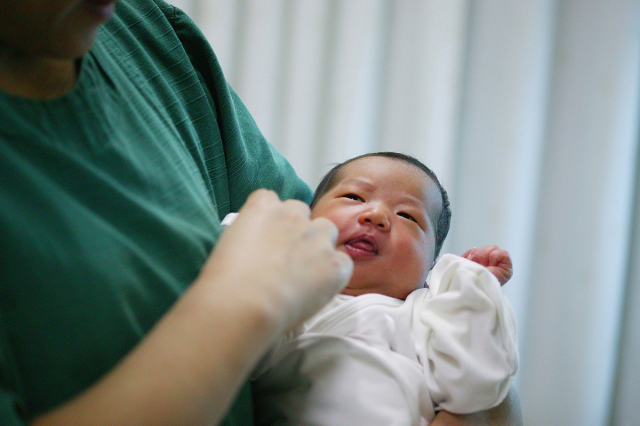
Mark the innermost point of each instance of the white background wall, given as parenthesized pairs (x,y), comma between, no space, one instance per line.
(527,110)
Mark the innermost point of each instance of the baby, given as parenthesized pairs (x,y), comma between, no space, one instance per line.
(403,348)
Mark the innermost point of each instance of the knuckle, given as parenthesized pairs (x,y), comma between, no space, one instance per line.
(295,210)
(261,197)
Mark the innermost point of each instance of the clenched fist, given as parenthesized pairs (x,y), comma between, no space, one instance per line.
(493,258)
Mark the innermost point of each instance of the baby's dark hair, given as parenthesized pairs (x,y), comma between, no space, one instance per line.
(444,221)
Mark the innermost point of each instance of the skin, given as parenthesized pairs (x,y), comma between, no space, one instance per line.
(508,413)
(497,261)
(41,40)
(385,210)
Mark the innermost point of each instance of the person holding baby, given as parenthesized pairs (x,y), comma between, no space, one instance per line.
(122,301)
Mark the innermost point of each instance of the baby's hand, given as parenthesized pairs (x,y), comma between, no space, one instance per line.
(493,258)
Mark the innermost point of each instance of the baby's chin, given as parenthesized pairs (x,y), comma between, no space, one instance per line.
(361,283)
(356,291)
(395,293)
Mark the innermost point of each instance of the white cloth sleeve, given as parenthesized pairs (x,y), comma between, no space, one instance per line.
(470,352)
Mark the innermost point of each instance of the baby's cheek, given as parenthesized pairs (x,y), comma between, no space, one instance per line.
(420,255)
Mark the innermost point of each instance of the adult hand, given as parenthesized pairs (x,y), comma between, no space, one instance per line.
(275,252)
(507,413)
(493,258)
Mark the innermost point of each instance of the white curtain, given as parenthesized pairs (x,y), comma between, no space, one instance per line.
(527,110)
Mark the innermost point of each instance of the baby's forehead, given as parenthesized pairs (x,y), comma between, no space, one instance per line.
(378,167)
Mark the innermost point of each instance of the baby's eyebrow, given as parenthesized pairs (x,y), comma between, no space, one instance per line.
(365,183)
(410,199)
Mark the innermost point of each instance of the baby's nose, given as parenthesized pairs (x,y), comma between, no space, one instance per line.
(376,217)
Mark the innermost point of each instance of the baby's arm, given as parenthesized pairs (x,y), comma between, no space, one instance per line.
(496,260)
(471,343)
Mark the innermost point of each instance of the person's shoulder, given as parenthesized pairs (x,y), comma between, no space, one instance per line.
(156,23)
(145,7)
(164,32)
(141,13)
(155,17)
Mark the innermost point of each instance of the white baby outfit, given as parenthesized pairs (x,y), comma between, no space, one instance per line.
(375,360)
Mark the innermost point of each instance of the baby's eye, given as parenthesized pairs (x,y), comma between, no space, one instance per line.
(407,216)
(353,197)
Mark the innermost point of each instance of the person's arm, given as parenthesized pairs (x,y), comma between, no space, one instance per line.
(267,274)
(507,413)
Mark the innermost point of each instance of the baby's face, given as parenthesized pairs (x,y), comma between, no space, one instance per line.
(385,210)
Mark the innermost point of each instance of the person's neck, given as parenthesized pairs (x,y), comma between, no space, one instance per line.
(36,77)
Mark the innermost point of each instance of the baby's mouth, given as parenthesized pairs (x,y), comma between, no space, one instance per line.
(363,245)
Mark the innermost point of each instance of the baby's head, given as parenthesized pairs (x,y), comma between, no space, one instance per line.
(392,215)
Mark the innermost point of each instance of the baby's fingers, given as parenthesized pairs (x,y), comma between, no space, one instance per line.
(501,265)
(493,258)
(499,257)
(469,253)
(480,255)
